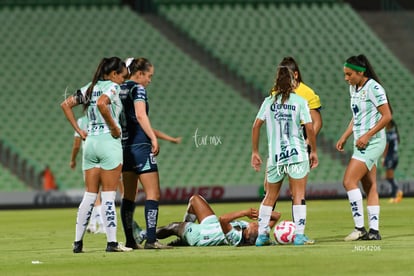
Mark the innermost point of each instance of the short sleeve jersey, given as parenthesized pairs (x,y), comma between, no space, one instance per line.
(235,235)
(96,123)
(284,132)
(364,105)
(132,132)
(309,95)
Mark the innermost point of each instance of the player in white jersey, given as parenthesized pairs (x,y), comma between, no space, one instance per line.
(102,153)
(284,113)
(371,113)
(95,225)
(307,93)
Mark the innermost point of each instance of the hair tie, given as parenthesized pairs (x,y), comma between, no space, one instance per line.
(355,67)
(128,61)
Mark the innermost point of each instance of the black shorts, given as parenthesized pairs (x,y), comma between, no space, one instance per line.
(139,159)
(391,162)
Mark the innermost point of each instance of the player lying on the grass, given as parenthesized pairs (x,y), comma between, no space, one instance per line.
(211,230)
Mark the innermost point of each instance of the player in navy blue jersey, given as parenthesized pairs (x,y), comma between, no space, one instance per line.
(140,147)
(391,160)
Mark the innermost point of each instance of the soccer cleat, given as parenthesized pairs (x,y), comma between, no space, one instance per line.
(116,247)
(373,235)
(134,246)
(138,233)
(391,200)
(156,245)
(263,239)
(302,239)
(399,196)
(357,234)
(78,246)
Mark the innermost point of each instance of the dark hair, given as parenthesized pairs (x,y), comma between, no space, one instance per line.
(291,63)
(362,61)
(139,64)
(106,66)
(246,241)
(284,83)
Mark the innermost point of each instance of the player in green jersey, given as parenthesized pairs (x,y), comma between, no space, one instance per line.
(102,153)
(284,113)
(202,227)
(371,113)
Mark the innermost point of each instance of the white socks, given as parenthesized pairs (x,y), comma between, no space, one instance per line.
(84,214)
(373,216)
(264,217)
(109,215)
(355,199)
(99,215)
(299,215)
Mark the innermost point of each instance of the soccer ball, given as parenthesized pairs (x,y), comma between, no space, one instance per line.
(284,232)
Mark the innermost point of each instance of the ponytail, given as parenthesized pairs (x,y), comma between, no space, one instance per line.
(360,63)
(106,66)
(285,83)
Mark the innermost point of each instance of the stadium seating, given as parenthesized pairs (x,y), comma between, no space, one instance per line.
(251,39)
(52,50)
(50,61)
(10,182)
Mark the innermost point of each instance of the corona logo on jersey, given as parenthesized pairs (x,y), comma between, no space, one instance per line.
(276,106)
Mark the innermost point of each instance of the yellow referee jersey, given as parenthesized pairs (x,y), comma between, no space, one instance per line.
(308,94)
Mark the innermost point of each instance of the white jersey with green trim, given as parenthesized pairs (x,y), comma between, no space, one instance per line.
(284,132)
(96,123)
(364,105)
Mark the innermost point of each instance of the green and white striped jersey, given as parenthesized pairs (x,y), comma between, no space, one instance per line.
(364,103)
(96,123)
(284,132)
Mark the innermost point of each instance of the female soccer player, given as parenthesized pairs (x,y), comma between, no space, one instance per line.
(96,224)
(211,230)
(308,94)
(284,112)
(102,154)
(140,146)
(371,113)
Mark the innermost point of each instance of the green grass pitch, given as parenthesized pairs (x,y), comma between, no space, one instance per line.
(39,242)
